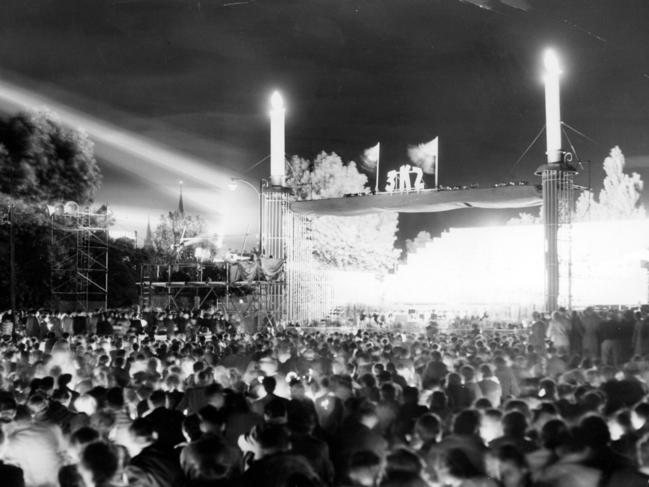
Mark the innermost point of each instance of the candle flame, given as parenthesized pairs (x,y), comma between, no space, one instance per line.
(276,101)
(551,62)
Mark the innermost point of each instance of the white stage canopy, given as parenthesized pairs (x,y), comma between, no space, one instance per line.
(425,201)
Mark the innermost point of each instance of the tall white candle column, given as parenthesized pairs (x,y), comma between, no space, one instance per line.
(557,186)
(552,106)
(277,147)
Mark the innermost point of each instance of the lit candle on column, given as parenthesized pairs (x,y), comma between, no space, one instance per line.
(552,106)
(277,150)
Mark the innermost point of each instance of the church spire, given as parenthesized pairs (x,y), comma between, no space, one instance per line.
(181,207)
(148,239)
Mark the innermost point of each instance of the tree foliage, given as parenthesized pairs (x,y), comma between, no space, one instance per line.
(170,236)
(360,242)
(124,260)
(41,162)
(618,199)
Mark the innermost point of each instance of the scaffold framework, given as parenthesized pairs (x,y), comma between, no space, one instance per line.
(79,259)
(557,180)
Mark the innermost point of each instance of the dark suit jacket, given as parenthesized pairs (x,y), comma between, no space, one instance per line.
(155,466)
(11,476)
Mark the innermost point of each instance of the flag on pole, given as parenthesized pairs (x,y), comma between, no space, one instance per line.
(370,161)
(370,158)
(426,156)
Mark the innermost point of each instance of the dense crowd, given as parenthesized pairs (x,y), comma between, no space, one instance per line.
(187,400)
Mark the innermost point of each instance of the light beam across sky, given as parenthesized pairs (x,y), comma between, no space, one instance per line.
(150,162)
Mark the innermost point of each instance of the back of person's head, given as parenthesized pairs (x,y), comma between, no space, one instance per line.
(269,384)
(591,401)
(98,464)
(438,400)
(388,392)
(142,430)
(485,371)
(47,384)
(467,372)
(86,404)
(61,395)
(511,454)
(212,390)
(482,404)
(594,431)
(64,380)
(514,424)
(453,378)
(364,468)
(466,422)
(212,420)
(84,436)
(428,427)
(273,438)
(301,418)
(37,403)
(518,405)
(459,464)
(115,397)
(158,399)
(403,463)
(209,461)
(275,411)
(554,434)
(410,395)
(365,412)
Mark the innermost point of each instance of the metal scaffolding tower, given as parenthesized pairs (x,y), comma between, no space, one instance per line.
(276,234)
(557,180)
(79,269)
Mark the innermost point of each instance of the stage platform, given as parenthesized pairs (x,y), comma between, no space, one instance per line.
(424,201)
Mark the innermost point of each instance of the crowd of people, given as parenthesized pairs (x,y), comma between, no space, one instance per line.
(182,399)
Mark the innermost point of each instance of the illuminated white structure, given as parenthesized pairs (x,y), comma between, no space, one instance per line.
(552,106)
(557,177)
(484,268)
(277,147)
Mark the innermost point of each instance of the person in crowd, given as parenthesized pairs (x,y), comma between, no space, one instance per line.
(99,466)
(538,332)
(559,332)
(152,463)
(465,406)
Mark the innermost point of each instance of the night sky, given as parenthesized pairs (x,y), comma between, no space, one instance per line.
(195,77)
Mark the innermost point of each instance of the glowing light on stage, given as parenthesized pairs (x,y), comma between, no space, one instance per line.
(488,267)
(277,139)
(552,105)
